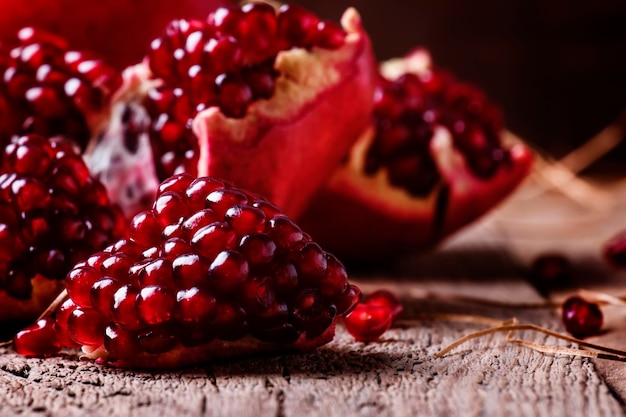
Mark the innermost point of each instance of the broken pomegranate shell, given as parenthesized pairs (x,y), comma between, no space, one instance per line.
(433,161)
(210,271)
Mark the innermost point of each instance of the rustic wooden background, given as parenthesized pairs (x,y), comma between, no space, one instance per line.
(481,271)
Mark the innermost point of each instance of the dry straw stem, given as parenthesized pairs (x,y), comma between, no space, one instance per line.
(510,326)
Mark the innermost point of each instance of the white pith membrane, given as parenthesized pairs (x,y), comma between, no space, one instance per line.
(129,177)
(387,217)
(285,147)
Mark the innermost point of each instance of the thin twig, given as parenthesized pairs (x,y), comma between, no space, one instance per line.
(567,351)
(532,327)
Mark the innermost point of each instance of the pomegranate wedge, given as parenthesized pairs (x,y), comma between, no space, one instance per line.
(210,271)
(432,162)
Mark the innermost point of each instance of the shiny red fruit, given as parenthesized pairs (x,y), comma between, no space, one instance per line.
(367,322)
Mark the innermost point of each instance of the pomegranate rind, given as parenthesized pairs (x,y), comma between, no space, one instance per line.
(44,292)
(287,146)
(360,217)
(181,356)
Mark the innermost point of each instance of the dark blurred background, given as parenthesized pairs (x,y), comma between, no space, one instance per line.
(557,67)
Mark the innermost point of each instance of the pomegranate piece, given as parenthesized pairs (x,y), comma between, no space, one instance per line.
(249,281)
(367,322)
(433,161)
(253,89)
(581,318)
(614,250)
(53,214)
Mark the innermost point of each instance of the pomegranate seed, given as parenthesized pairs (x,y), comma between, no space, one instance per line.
(211,239)
(78,284)
(367,322)
(581,318)
(615,250)
(190,270)
(550,271)
(195,306)
(385,298)
(119,342)
(155,304)
(245,219)
(86,327)
(101,294)
(39,339)
(258,249)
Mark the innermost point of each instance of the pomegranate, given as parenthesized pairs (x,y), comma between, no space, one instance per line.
(581,317)
(433,161)
(117,30)
(52,215)
(210,271)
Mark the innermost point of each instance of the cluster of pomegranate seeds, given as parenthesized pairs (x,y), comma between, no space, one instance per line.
(374,316)
(226,61)
(48,90)
(207,261)
(408,109)
(615,250)
(581,317)
(52,213)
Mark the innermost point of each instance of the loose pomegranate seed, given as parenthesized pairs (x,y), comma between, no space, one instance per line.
(227,62)
(155,304)
(614,250)
(581,318)
(367,322)
(550,271)
(385,298)
(40,339)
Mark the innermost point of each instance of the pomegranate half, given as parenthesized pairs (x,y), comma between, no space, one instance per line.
(433,161)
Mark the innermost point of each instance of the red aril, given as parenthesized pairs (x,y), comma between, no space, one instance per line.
(385,298)
(367,322)
(581,318)
(433,161)
(40,339)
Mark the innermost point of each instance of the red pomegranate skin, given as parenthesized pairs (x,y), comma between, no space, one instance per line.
(120,31)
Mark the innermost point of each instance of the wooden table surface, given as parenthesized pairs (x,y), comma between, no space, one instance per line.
(481,271)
